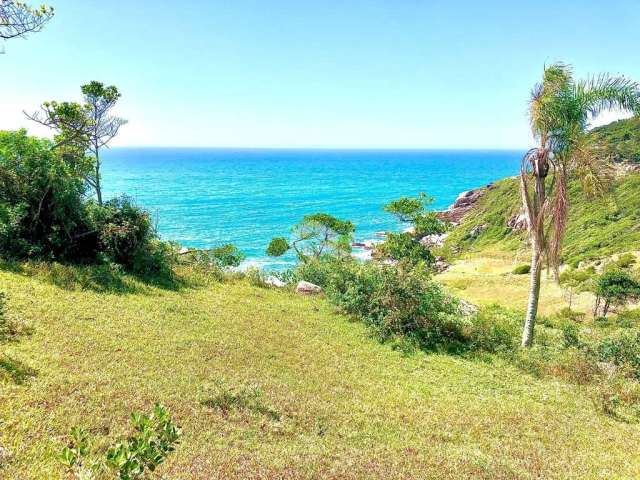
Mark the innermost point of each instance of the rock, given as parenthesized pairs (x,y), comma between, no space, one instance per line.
(467,309)
(307,288)
(477,230)
(435,240)
(275,282)
(183,250)
(465,202)
(411,230)
(519,222)
(440,265)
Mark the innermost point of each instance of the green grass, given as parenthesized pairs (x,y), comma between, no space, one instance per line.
(598,227)
(266,384)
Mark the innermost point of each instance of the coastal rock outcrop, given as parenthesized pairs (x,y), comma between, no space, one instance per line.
(308,288)
(465,202)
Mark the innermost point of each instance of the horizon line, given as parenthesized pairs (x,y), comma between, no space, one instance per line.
(332,148)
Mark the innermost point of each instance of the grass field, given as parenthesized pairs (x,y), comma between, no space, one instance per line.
(487,279)
(335,402)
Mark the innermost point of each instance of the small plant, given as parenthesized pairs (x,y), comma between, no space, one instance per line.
(156,435)
(522,269)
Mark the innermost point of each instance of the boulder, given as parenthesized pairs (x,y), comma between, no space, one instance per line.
(307,288)
(435,240)
(467,309)
(275,282)
(519,223)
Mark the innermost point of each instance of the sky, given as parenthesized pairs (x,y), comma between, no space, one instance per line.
(317,74)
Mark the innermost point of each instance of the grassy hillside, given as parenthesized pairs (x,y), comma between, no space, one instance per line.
(620,140)
(597,228)
(335,402)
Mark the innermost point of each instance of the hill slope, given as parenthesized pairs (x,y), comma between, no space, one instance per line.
(335,403)
(620,140)
(597,228)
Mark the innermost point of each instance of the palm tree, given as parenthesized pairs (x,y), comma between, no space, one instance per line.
(560,111)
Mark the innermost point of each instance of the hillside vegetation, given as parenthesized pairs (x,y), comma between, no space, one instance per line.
(597,227)
(266,384)
(620,140)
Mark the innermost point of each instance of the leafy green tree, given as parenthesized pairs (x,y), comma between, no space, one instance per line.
(407,246)
(414,210)
(614,287)
(560,111)
(18,19)
(84,129)
(316,235)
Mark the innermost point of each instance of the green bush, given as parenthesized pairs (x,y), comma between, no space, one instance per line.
(124,230)
(522,269)
(494,329)
(623,350)
(397,300)
(42,207)
(405,247)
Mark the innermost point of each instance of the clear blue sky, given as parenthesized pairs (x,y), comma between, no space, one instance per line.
(285,73)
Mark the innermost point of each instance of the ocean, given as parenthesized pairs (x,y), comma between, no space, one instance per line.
(207,197)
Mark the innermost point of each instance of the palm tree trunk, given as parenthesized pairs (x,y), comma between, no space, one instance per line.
(534,296)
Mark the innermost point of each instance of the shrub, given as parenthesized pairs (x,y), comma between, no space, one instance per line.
(397,301)
(42,211)
(494,329)
(156,435)
(623,350)
(570,335)
(320,271)
(522,269)
(124,230)
(405,247)
(226,256)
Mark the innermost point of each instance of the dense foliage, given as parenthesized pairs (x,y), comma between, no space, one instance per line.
(45,213)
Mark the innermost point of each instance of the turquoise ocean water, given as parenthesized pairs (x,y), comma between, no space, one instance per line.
(207,197)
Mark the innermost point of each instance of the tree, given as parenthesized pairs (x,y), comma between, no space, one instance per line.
(407,246)
(614,287)
(84,128)
(560,111)
(316,235)
(18,19)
